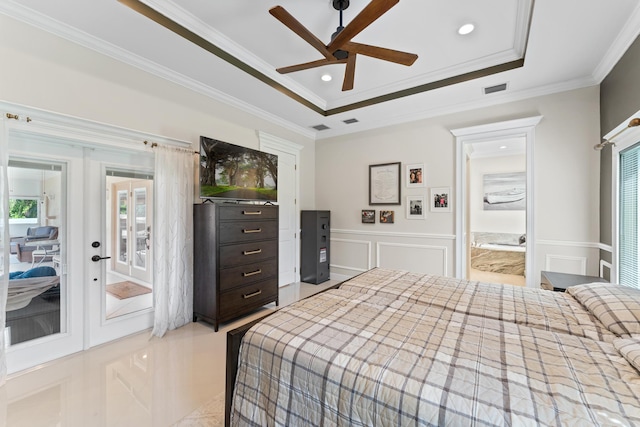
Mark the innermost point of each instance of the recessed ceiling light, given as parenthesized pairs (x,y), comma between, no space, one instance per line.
(466,29)
(326,77)
(503,147)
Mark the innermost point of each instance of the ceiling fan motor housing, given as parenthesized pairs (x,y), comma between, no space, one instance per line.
(340,4)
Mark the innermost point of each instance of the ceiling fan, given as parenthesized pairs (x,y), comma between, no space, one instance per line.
(341,50)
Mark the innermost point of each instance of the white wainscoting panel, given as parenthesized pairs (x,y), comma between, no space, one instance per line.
(605,268)
(351,255)
(356,251)
(566,264)
(426,259)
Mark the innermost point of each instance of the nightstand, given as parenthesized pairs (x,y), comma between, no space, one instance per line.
(559,282)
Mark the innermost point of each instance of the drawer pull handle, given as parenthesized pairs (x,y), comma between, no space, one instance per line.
(251,212)
(255,294)
(257,230)
(253,273)
(257,251)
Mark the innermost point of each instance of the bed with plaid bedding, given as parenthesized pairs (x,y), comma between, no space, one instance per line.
(552,311)
(348,358)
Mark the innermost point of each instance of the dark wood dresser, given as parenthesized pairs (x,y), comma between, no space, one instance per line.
(235,260)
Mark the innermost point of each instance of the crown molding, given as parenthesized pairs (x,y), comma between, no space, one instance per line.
(628,34)
(42,22)
(491,100)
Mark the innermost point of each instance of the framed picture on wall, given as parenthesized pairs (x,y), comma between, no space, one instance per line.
(415,175)
(386,217)
(505,191)
(384,184)
(368,216)
(415,207)
(440,199)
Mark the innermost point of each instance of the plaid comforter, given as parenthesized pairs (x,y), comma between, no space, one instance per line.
(552,311)
(348,358)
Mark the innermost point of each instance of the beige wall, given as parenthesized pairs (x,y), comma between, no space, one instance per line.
(565,174)
(50,73)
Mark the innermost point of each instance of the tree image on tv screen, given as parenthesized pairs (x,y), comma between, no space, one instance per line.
(234,172)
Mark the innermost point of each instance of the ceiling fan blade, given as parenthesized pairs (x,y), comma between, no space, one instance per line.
(294,25)
(307,65)
(385,54)
(349,73)
(370,13)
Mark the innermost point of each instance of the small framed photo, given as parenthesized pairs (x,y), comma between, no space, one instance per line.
(441,199)
(415,175)
(384,184)
(415,207)
(368,216)
(386,217)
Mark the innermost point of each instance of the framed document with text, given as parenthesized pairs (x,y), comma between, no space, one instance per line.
(384,184)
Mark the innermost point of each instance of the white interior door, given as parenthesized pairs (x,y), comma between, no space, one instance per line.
(120,299)
(288,213)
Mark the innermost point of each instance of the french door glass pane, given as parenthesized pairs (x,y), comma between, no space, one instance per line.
(36,300)
(140,201)
(123,212)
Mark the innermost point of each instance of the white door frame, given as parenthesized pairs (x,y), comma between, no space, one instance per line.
(271,142)
(492,131)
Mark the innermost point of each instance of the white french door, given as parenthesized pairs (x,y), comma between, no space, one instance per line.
(119,226)
(71,187)
(131,225)
(50,325)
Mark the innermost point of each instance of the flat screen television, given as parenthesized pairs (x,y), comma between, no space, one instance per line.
(232,172)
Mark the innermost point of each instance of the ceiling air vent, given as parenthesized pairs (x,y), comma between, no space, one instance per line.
(494,89)
(320,127)
(350,121)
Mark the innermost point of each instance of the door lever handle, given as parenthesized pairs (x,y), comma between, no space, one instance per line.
(97,258)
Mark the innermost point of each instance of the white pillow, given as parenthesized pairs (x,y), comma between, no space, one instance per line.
(616,306)
(629,348)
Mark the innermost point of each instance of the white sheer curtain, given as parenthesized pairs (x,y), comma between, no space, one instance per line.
(173,258)
(4,246)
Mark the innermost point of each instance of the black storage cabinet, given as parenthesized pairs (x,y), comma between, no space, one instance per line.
(315,248)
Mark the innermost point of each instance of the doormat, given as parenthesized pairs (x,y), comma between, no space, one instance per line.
(126,289)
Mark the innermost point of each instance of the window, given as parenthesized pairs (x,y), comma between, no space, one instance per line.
(23,208)
(628,238)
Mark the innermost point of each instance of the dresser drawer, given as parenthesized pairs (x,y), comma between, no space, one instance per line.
(247,253)
(237,300)
(242,231)
(245,274)
(248,212)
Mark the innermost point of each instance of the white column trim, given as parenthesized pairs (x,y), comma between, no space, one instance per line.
(268,141)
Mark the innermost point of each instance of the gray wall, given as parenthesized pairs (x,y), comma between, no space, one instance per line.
(619,99)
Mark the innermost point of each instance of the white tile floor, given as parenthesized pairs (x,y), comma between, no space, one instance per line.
(134,381)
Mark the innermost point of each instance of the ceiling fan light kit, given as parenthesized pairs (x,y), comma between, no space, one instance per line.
(341,50)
